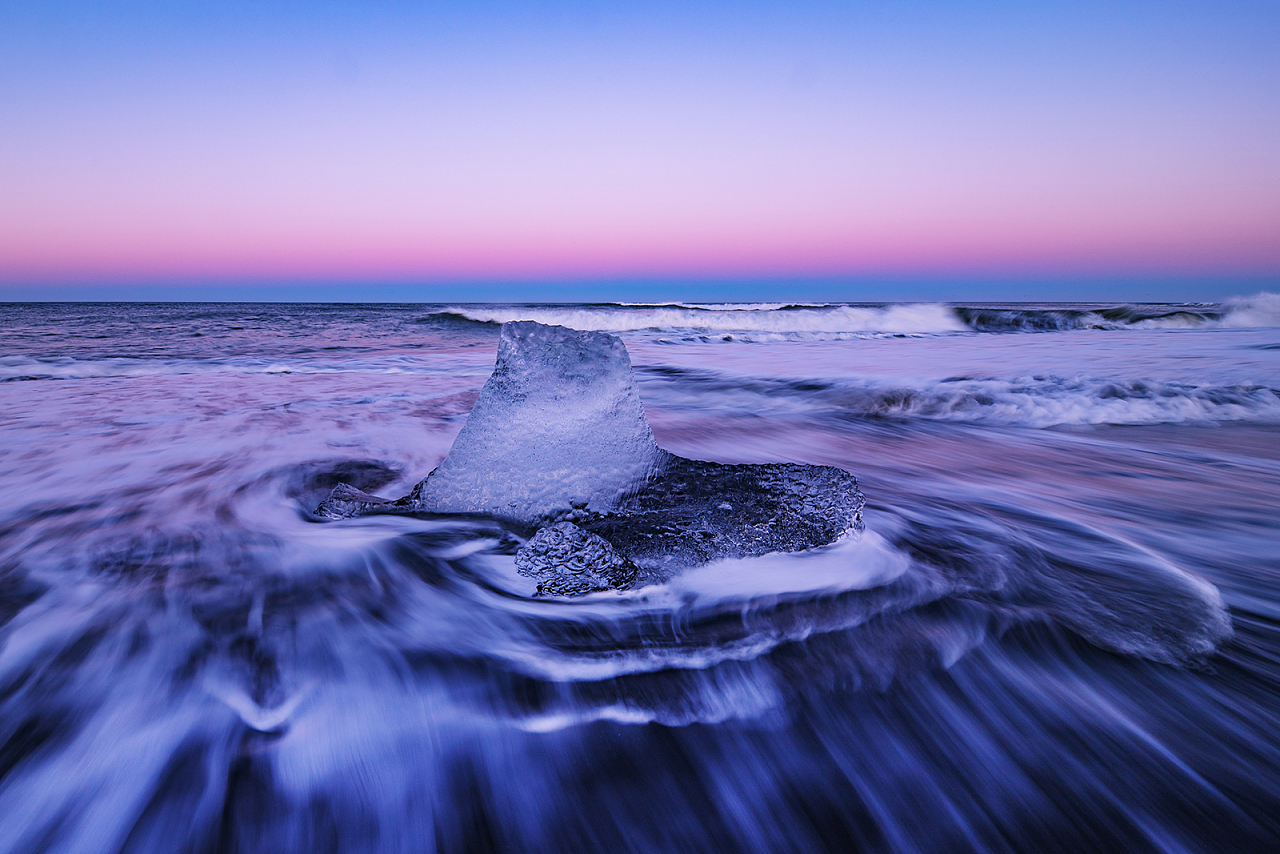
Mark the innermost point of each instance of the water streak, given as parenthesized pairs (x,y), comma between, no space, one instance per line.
(1055,639)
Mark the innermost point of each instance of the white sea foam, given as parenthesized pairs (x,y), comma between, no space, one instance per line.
(853,563)
(1262,309)
(1022,401)
(742,585)
(1055,401)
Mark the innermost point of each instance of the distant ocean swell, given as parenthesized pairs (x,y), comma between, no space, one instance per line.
(19,368)
(790,320)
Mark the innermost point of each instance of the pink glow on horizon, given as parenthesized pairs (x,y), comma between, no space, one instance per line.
(636,214)
(294,249)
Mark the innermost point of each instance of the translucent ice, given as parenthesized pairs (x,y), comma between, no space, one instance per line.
(558,426)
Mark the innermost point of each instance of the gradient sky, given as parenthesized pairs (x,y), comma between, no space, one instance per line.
(235,148)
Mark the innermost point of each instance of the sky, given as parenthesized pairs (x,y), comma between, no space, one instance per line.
(573,150)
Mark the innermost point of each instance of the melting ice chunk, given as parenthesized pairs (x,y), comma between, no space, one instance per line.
(559,436)
(559,425)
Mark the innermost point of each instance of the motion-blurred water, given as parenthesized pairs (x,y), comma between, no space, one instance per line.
(1060,632)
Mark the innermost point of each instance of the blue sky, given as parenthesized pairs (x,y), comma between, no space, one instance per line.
(589,150)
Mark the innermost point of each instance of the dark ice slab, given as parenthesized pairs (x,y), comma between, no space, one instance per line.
(558,435)
(695,512)
(568,561)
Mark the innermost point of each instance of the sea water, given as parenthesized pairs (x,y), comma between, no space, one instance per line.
(1060,630)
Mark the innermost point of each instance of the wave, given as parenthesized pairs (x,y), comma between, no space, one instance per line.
(776,318)
(1036,401)
(1055,402)
(1259,310)
(789,320)
(728,306)
(1063,319)
(1262,309)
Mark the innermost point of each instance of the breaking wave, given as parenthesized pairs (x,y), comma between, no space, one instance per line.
(1037,401)
(1260,310)
(786,319)
(1056,401)
(775,321)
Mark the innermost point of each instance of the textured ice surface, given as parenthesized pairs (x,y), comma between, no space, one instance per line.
(558,442)
(569,561)
(696,512)
(345,500)
(559,425)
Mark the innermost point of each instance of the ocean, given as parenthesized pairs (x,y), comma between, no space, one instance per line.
(1060,630)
